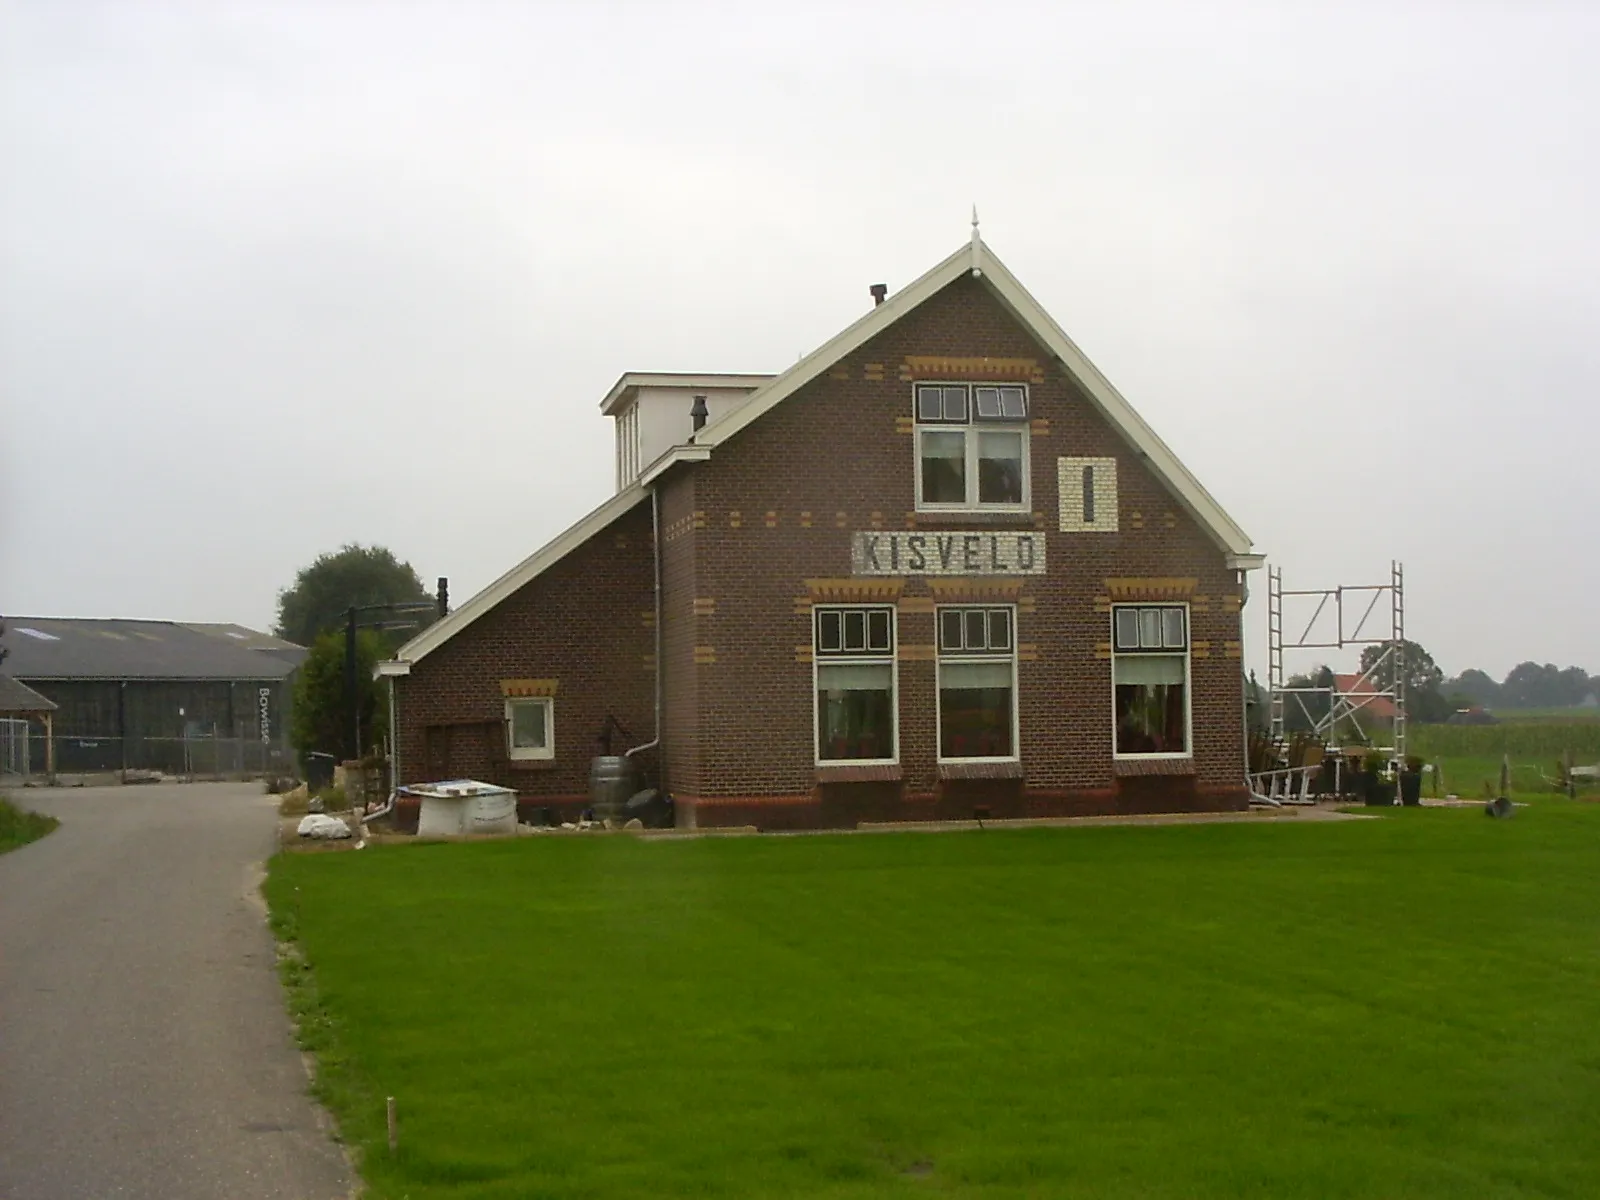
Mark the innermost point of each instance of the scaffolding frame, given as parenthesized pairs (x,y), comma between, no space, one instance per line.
(1342,706)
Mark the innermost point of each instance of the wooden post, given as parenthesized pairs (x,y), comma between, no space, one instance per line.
(394,1127)
(50,749)
(1505,773)
(1572,783)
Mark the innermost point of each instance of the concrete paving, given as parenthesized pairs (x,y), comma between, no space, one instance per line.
(144,1046)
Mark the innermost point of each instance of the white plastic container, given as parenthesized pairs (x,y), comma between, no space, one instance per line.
(456,806)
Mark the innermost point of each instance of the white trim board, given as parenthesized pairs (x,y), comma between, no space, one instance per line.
(523,573)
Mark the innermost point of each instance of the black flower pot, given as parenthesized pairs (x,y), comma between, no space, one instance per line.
(1411,788)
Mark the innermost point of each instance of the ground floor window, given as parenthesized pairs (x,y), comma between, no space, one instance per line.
(1150,679)
(977,682)
(853,652)
(530,728)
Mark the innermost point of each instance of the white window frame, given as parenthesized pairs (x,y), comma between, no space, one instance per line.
(1188,682)
(941,658)
(865,660)
(532,753)
(970,429)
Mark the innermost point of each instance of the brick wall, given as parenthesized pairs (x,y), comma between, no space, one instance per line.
(778,504)
(587,624)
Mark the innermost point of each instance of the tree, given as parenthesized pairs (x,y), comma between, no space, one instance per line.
(4,650)
(1477,686)
(1529,685)
(355,575)
(1301,711)
(320,719)
(1423,679)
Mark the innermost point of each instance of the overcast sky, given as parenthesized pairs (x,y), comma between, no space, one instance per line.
(275,277)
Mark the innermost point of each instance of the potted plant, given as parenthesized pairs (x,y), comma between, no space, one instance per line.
(1379,790)
(1411,782)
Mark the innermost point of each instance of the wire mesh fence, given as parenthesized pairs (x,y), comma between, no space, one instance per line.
(14,756)
(203,755)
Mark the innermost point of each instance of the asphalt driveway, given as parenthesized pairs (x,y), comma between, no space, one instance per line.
(144,1048)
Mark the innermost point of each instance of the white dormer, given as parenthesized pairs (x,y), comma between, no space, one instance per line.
(652,412)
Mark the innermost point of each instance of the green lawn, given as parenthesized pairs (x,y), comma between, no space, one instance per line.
(18,826)
(1398,1007)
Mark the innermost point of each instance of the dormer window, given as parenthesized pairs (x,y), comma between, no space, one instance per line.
(972,447)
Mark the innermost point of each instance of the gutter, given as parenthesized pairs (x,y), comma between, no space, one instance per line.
(655,546)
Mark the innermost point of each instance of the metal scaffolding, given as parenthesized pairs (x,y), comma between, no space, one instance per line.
(1328,628)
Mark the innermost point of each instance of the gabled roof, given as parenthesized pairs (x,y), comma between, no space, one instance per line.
(979,260)
(524,572)
(770,391)
(75,648)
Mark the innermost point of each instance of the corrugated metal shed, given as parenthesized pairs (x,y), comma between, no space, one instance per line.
(73,648)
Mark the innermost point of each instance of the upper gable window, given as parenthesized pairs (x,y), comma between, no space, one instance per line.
(972,446)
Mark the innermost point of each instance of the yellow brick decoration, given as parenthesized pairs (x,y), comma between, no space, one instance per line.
(1100,514)
(705,606)
(528,687)
(905,425)
(805,520)
(699,518)
(877,520)
(971,589)
(855,590)
(916,605)
(981,369)
(1232,650)
(772,519)
(621,541)
(648,618)
(735,519)
(1150,588)
(1040,427)
(705,655)
(1027,652)
(802,654)
(917,652)
(840,520)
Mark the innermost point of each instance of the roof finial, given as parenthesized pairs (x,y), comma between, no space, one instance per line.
(977,244)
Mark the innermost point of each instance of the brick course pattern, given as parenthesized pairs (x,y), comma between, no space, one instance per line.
(582,630)
(754,536)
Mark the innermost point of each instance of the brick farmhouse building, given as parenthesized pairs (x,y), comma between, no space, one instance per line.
(938,567)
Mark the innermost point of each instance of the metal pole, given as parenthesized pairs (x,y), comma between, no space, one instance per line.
(350,683)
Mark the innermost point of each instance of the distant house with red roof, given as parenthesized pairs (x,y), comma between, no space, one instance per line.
(1362,694)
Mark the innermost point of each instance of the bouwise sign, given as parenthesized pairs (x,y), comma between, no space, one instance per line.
(947,553)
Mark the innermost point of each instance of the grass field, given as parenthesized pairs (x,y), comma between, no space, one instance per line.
(1406,1006)
(1470,754)
(18,826)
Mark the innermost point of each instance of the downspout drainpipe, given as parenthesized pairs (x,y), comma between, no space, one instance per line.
(655,540)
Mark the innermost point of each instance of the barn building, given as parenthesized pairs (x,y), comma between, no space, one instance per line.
(168,696)
(938,567)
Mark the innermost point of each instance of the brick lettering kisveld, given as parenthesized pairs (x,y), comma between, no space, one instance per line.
(737,736)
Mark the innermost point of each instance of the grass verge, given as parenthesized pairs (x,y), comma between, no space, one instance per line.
(19,826)
(1401,1007)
